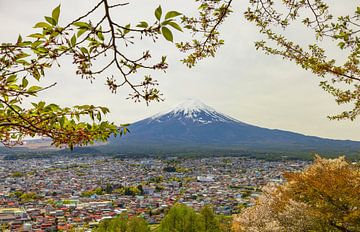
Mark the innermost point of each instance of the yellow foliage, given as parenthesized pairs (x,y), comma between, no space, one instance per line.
(323,197)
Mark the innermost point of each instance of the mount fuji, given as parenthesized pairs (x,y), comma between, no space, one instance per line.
(193,126)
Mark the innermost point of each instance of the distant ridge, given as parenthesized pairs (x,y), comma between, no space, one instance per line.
(193,126)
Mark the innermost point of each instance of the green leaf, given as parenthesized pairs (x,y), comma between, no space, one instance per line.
(91,114)
(36,74)
(24,82)
(16,108)
(175,25)
(34,89)
(82,25)
(143,24)
(104,110)
(37,36)
(11,79)
(50,20)
(54,107)
(62,121)
(55,14)
(42,25)
(19,40)
(127,29)
(14,87)
(167,34)
(42,50)
(358,10)
(158,12)
(100,35)
(36,43)
(80,32)
(84,50)
(21,55)
(341,45)
(73,41)
(172,14)
(41,104)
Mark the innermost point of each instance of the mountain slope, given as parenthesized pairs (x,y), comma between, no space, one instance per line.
(192,126)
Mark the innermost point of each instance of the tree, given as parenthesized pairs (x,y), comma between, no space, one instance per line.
(225,223)
(29,196)
(87,40)
(323,197)
(137,224)
(182,218)
(211,222)
(108,188)
(132,191)
(169,169)
(275,19)
(89,193)
(17,174)
(124,223)
(115,224)
(140,188)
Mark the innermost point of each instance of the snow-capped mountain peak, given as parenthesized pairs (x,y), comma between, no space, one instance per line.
(191,106)
(194,110)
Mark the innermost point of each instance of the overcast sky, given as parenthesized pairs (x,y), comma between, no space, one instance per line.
(240,81)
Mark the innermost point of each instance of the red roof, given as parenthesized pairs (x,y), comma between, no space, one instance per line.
(64,227)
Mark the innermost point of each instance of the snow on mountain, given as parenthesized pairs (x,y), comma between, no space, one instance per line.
(194,110)
(192,106)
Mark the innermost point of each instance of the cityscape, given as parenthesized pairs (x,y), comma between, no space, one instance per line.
(67,192)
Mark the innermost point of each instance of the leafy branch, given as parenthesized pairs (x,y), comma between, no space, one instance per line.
(341,80)
(88,41)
